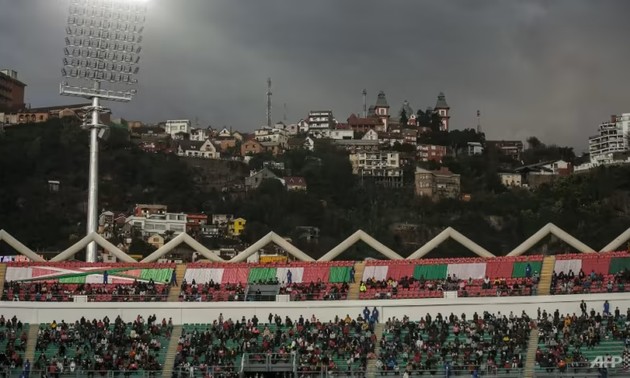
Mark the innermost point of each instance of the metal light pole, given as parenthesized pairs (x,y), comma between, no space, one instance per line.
(100,63)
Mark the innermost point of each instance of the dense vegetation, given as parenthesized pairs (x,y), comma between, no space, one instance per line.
(593,206)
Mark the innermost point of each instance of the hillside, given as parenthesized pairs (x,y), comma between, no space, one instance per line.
(595,206)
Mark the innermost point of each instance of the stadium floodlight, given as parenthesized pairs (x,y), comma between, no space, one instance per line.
(100,62)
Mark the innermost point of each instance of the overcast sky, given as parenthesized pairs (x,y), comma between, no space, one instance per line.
(553,69)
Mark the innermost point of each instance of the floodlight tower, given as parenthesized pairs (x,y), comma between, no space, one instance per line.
(268,102)
(100,63)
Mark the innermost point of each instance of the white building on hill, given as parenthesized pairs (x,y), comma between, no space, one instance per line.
(177,126)
(613,137)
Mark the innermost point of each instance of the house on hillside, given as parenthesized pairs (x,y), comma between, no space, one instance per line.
(256,178)
(380,167)
(511,148)
(225,133)
(297,143)
(294,183)
(224,143)
(431,152)
(274,147)
(194,222)
(238,136)
(370,135)
(251,147)
(534,175)
(199,135)
(410,136)
(236,227)
(156,240)
(437,184)
(221,219)
(474,148)
(191,148)
(362,125)
(511,179)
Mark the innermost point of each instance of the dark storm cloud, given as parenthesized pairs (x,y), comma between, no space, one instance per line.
(548,68)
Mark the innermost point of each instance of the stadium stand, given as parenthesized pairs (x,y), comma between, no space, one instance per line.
(233,281)
(99,282)
(591,273)
(486,344)
(469,277)
(570,344)
(13,339)
(102,346)
(341,347)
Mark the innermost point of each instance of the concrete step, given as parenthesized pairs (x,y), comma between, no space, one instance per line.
(370,369)
(546,273)
(353,291)
(171,353)
(3,273)
(530,359)
(180,272)
(31,343)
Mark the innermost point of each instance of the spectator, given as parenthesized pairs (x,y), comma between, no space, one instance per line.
(606,308)
(105,277)
(289,277)
(26,371)
(528,270)
(174,278)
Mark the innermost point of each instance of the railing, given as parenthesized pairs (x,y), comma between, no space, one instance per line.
(90,298)
(79,373)
(581,372)
(212,371)
(440,372)
(268,362)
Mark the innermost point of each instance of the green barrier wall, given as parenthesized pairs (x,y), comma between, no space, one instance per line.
(339,274)
(619,264)
(518,269)
(158,275)
(430,272)
(261,275)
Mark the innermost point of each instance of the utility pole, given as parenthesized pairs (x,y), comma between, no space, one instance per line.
(478,122)
(269,102)
(364,103)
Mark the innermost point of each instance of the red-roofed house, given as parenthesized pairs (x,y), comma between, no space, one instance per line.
(362,125)
(294,183)
(195,221)
(251,147)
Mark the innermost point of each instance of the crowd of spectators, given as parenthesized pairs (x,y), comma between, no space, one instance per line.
(211,292)
(412,287)
(343,345)
(565,337)
(13,337)
(314,291)
(488,343)
(41,291)
(572,283)
(305,291)
(100,346)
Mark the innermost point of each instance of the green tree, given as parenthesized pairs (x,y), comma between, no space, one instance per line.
(403,117)
(139,247)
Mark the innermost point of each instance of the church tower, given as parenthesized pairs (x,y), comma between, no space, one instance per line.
(442,108)
(381,109)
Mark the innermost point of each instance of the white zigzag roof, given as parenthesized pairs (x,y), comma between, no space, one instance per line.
(548,229)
